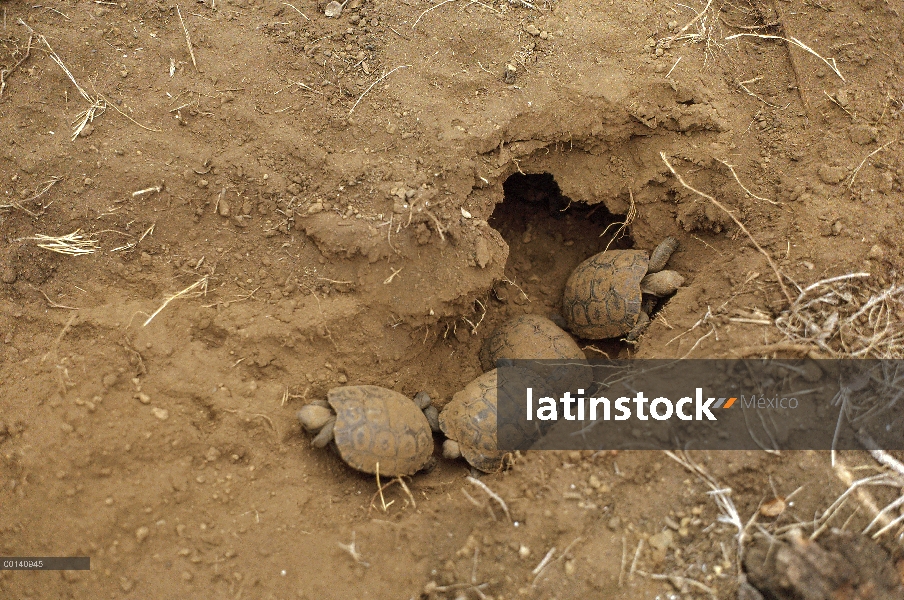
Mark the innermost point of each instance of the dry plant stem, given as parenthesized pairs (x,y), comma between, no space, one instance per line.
(95,104)
(869,156)
(794,42)
(692,21)
(737,221)
(201,283)
(4,73)
(380,488)
(428,10)
(353,552)
(382,77)
(539,568)
(680,580)
(492,495)
(63,332)
(748,351)
(298,11)
(187,39)
(50,302)
(748,192)
(57,60)
(792,58)
(117,109)
(637,552)
(73,244)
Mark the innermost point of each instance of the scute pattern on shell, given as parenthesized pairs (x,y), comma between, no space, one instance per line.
(471,417)
(536,338)
(602,296)
(375,424)
(470,420)
(529,337)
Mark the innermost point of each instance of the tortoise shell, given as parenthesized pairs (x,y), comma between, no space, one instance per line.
(528,337)
(532,337)
(471,418)
(377,425)
(602,296)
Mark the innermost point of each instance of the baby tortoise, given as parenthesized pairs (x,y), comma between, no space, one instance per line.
(371,425)
(533,337)
(612,293)
(470,419)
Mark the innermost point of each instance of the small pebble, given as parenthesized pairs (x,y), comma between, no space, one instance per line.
(523,551)
(662,540)
(142,534)
(144,398)
(160,413)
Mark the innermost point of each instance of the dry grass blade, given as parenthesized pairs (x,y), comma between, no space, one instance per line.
(5,73)
(117,109)
(200,286)
(191,52)
(298,11)
(723,208)
(96,105)
(796,42)
(381,78)
(73,244)
(437,5)
(869,156)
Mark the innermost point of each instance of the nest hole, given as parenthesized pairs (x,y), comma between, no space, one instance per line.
(548,235)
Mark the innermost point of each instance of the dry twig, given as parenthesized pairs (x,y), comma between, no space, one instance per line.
(737,221)
(492,495)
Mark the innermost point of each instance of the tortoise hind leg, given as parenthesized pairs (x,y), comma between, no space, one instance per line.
(643,321)
(662,254)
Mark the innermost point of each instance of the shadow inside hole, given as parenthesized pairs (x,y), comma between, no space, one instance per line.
(548,236)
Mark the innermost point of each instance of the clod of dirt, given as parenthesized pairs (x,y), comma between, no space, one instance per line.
(8,275)
(509,74)
(838,565)
(862,134)
(832,175)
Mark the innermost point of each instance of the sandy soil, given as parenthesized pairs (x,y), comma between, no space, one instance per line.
(363,199)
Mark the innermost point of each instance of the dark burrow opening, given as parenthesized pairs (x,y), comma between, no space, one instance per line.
(548,235)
